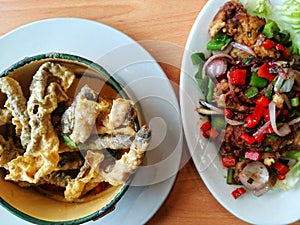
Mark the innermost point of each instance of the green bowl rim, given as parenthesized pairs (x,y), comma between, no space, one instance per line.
(123,94)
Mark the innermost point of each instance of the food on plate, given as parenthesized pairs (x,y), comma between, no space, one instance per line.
(250,81)
(69,148)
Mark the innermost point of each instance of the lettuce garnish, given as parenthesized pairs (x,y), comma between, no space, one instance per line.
(286,15)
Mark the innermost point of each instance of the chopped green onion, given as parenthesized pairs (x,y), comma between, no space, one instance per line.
(250,180)
(230,173)
(268,94)
(251,92)
(295,102)
(248,59)
(268,149)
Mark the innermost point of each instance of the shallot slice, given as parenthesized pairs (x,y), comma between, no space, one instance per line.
(254,176)
(244,48)
(284,129)
(216,65)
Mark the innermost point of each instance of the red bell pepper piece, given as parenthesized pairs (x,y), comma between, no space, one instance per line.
(205,126)
(253,155)
(281,168)
(280,177)
(251,122)
(266,114)
(229,160)
(263,101)
(269,129)
(263,72)
(237,77)
(212,133)
(238,192)
(258,112)
(247,138)
(228,113)
(259,137)
(268,44)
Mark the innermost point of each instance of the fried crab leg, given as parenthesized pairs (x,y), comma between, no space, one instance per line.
(129,161)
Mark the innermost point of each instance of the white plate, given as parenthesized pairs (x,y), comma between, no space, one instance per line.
(275,207)
(132,66)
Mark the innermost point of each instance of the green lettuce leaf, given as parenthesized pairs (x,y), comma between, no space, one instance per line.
(293,176)
(286,15)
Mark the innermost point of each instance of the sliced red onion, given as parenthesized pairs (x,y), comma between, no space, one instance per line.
(216,65)
(285,129)
(254,176)
(225,50)
(294,121)
(234,122)
(262,129)
(278,83)
(207,111)
(244,48)
(288,85)
(210,106)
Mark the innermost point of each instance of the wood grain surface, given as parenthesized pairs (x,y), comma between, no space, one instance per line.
(162,27)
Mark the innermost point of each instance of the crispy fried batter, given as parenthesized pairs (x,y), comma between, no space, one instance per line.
(41,157)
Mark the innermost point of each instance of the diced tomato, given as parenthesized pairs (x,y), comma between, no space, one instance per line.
(229,160)
(228,113)
(263,72)
(268,44)
(253,155)
(247,138)
(262,101)
(238,192)
(281,168)
(237,77)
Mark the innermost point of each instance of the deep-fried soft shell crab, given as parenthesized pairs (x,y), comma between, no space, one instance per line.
(92,142)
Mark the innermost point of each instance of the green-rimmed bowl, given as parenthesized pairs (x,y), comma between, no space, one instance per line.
(32,206)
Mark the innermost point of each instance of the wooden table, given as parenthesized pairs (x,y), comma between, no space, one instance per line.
(162,27)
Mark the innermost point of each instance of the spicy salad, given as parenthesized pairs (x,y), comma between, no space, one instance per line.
(251,93)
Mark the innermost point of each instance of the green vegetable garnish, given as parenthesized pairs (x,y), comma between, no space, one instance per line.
(218,42)
(251,92)
(69,142)
(218,122)
(285,15)
(198,58)
(257,81)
